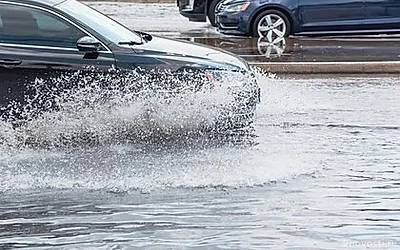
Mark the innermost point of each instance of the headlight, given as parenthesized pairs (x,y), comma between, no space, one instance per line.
(241,7)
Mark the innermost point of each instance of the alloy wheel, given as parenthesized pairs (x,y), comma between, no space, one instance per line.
(271,26)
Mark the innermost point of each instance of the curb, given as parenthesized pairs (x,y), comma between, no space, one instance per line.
(382,67)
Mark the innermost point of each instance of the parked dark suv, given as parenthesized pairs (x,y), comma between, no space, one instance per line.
(199,10)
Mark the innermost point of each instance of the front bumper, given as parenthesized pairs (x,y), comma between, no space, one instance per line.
(232,23)
(240,113)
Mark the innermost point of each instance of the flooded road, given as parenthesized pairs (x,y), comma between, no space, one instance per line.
(319,169)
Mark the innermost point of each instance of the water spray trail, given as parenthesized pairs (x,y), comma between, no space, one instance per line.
(84,108)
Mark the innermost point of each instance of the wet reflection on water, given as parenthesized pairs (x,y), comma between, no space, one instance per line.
(303,49)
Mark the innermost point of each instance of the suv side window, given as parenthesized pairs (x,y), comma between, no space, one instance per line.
(30,26)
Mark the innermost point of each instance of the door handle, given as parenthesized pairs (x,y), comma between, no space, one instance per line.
(9,64)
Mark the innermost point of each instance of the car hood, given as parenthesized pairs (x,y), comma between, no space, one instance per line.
(190,53)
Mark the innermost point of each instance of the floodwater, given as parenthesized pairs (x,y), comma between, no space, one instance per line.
(319,169)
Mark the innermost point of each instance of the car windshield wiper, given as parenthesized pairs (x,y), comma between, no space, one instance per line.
(131,43)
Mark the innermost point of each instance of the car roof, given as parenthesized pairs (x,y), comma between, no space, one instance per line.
(41,2)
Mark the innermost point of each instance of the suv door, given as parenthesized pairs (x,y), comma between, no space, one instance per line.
(382,14)
(330,15)
(38,43)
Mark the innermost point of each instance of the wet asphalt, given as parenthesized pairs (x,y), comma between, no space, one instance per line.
(336,54)
(314,55)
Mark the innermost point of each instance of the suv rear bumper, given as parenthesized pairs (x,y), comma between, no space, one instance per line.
(195,10)
(193,16)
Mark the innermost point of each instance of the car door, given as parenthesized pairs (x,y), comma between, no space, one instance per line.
(382,14)
(36,43)
(330,15)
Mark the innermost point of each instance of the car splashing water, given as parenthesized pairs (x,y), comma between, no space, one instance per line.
(99,108)
(84,112)
(318,169)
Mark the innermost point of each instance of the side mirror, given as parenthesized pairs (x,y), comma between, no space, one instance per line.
(88,44)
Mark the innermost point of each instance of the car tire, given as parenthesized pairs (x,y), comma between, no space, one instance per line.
(211,12)
(271,24)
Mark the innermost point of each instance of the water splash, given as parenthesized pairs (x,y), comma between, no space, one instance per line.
(120,146)
(84,108)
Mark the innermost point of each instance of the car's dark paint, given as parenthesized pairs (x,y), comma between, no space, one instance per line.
(379,13)
(310,17)
(41,63)
(330,15)
(21,64)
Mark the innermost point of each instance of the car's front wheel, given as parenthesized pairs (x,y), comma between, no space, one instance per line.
(271,24)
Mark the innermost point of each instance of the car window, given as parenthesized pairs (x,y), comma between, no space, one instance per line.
(30,26)
(48,24)
(103,25)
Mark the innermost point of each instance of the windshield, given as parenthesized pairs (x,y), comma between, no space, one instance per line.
(105,26)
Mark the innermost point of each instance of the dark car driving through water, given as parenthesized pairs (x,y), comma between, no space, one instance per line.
(280,18)
(49,38)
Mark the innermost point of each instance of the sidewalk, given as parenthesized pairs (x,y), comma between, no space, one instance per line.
(299,55)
